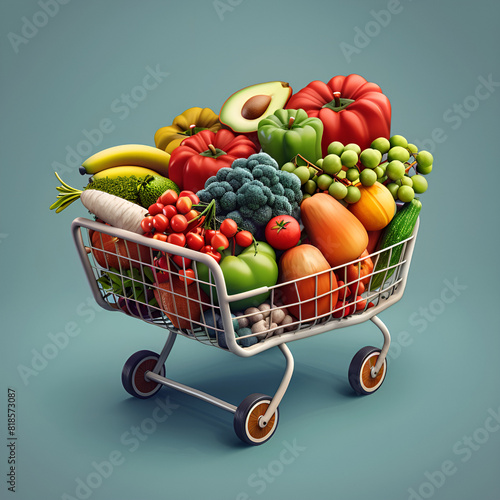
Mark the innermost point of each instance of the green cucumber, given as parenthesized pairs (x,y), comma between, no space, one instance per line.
(399,229)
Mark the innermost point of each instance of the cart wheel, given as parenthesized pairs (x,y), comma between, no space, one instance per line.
(133,372)
(246,420)
(360,371)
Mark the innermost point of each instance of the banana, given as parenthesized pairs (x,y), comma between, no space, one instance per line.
(139,155)
(124,171)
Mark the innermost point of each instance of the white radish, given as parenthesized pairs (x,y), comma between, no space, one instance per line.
(114,210)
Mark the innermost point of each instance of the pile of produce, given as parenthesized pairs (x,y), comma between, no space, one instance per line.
(308,193)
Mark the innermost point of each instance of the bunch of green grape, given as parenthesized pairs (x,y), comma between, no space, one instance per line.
(386,161)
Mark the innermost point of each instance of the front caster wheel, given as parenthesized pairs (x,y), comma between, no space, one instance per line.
(360,371)
(133,374)
(246,420)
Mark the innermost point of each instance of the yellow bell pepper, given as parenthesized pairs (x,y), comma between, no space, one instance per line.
(192,121)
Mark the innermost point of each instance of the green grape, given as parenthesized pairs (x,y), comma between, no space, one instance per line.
(319,162)
(335,148)
(393,188)
(352,147)
(324,181)
(353,194)
(406,194)
(413,149)
(332,164)
(424,159)
(305,195)
(352,174)
(302,173)
(398,140)
(381,144)
(424,170)
(370,158)
(368,177)
(382,179)
(419,183)
(310,187)
(341,174)
(379,172)
(312,172)
(383,166)
(398,153)
(315,178)
(337,190)
(395,170)
(288,167)
(349,158)
(406,181)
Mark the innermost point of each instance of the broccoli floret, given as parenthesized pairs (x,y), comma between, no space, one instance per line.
(239,163)
(289,180)
(204,196)
(236,216)
(277,189)
(228,201)
(218,189)
(266,174)
(263,216)
(248,225)
(238,176)
(282,206)
(262,159)
(210,180)
(252,195)
(269,195)
(222,174)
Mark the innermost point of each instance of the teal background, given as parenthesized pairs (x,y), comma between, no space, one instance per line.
(443,379)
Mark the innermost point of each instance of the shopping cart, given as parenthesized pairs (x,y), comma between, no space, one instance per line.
(124,274)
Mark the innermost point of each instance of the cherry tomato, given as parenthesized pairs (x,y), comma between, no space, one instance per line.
(169,211)
(155,208)
(283,232)
(359,303)
(194,198)
(244,238)
(178,239)
(160,236)
(183,204)
(182,262)
(160,223)
(209,234)
(209,250)
(169,197)
(178,223)
(187,275)
(147,223)
(228,228)
(195,241)
(163,262)
(192,214)
(219,242)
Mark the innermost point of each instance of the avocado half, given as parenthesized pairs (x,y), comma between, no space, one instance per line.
(244,109)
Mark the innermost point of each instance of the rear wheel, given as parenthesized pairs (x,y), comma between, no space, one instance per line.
(134,374)
(360,371)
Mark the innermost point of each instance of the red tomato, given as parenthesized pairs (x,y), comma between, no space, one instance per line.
(244,238)
(178,239)
(187,275)
(155,208)
(169,197)
(219,242)
(182,262)
(209,234)
(228,228)
(169,211)
(178,223)
(160,236)
(160,223)
(194,198)
(183,204)
(195,241)
(283,232)
(147,224)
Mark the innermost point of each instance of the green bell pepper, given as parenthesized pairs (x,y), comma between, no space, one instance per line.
(250,269)
(289,132)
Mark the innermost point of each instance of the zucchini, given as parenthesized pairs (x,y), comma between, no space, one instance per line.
(399,229)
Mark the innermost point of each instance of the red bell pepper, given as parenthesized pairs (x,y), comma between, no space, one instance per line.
(202,155)
(351,109)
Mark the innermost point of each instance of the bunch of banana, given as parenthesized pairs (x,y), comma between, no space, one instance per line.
(133,159)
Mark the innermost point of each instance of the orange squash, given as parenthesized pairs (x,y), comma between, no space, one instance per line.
(299,262)
(333,229)
(376,207)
